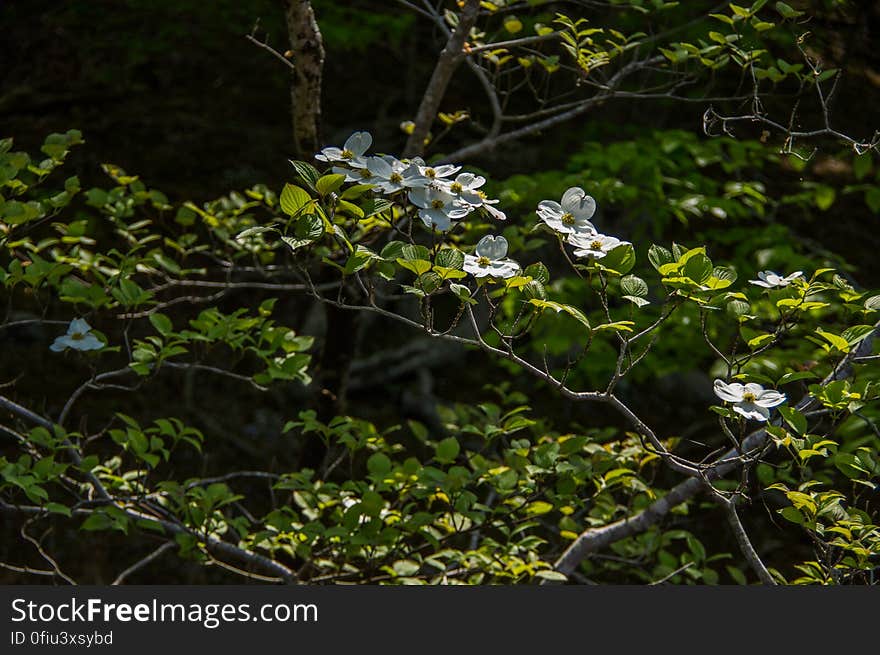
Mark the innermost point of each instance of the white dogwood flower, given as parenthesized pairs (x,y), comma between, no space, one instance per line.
(351,153)
(361,175)
(490,259)
(750,400)
(79,337)
(771,280)
(570,216)
(466,186)
(436,173)
(438,208)
(393,175)
(593,245)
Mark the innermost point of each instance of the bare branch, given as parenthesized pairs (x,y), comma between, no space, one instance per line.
(447,63)
(145,561)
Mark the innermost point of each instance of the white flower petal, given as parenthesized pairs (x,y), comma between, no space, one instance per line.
(329,154)
(504,269)
(576,202)
(497,214)
(419,197)
(78,326)
(729,392)
(435,218)
(60,344)
(493,247)
(358,143)
(472,266)
(753,388)
(380,167)
(770,398)
(89,342)
(752,411)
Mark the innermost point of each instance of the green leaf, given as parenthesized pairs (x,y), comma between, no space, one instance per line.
(447,450)
(697,267)
(58,508)
(307,229)
(619,260)
(293,199)
(795,376)
(634,286)
(358,260)
(429,282)
(738,307)
(355,191)
(329,183)
(392,251)
(307,172)
(617,326)
(349,208)
(253,231)
(538,507)
(412,251)
(450,258)
(872,304)
(856,333)
(862,165)
(463,293)
(162,324)
(794,418)
(378,464)
(737,575)
(537,271)
(417,266)
(836,341)
(559,307)
(535,289)
(659,256)
(787,11)
(759,340)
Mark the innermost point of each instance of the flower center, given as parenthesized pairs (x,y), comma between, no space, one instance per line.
(430,172)
(596,245)
(483,261)
(456,187)
(749,397)
(365,174)
(438,204)
(397,178)
(567,219)
(347,154)
(77,336)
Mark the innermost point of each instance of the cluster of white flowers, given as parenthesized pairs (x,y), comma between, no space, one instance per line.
(571,217)
(439,197)
(442,199)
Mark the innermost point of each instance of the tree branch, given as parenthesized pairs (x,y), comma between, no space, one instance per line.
(447,63)
(595,539)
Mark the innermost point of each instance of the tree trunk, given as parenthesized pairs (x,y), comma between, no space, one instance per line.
(307,47)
